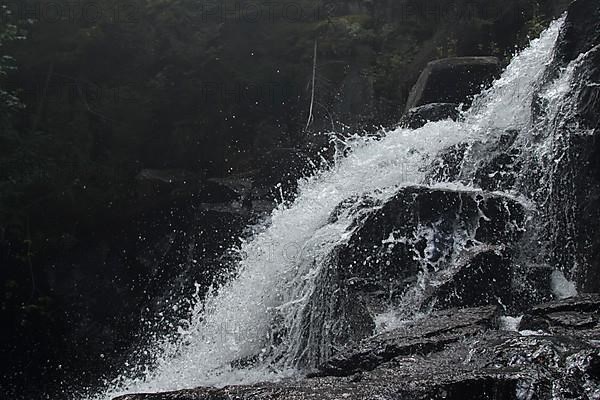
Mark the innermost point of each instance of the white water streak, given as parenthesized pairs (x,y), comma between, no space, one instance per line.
(280,264)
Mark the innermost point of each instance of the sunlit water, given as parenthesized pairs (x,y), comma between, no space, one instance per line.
(279,265)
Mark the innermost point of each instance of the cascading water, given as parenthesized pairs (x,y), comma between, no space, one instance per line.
(259,318)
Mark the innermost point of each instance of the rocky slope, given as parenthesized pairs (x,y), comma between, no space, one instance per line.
(470,245)
(453,354)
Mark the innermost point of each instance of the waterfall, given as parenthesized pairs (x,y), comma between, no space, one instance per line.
(251,330)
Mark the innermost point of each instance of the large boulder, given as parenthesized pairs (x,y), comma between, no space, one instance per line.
(453,80)
(421,248)
(422,229)
(419,116)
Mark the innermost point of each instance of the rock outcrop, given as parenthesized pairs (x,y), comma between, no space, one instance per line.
(443,241)
(452,354)
(576,182)
(419,116)
(581,31)
(453,80)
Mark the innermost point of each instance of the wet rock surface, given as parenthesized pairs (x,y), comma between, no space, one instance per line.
(453,245)
(417,337)
(423,228)
(419,116)
(451,354)
(574,313)
(581,30)
(496,172)
(576,183)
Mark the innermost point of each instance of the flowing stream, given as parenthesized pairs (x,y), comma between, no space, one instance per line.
(279,266)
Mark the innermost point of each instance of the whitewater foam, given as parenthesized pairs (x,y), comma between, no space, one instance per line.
(278,266)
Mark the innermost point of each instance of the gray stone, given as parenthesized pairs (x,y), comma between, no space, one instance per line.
(453,80)
(451,354)
(419,116)
(420,229)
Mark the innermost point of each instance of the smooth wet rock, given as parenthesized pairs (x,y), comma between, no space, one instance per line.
(453,80)
(419,116)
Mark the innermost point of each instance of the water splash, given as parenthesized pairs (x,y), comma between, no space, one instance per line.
(279,266)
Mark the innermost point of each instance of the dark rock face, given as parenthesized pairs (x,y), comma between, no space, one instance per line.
(576,183)
(424,225)
(419,116)
(417,337)
(581,30)
(456,243)
(578,313)
(451,354)
(496,168)
(453,80)
(483,279)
